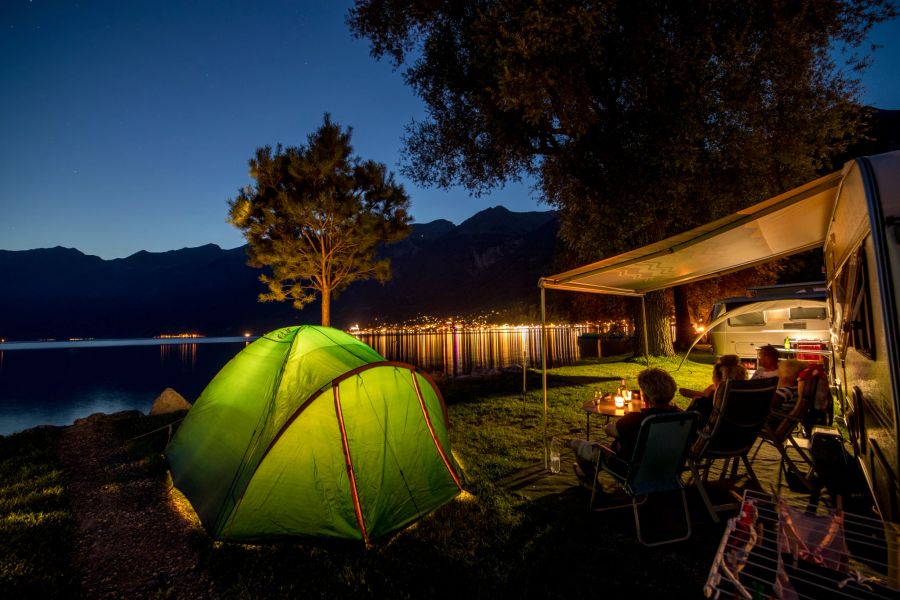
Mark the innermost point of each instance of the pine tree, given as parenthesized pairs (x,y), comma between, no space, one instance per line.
(315,216)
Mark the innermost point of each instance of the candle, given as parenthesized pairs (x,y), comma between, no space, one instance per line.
(620,402)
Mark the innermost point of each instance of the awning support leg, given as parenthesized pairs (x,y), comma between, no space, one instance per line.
(645,324)
(544,369)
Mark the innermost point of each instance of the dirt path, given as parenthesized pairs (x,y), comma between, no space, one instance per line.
(130,543)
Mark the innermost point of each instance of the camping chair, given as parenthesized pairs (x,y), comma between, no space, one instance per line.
(655,465)
(740,410)
(813,383)
(782,431)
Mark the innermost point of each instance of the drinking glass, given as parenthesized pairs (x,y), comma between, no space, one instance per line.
(554,456)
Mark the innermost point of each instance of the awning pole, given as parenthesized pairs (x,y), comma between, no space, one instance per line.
(544,367)
(646,343)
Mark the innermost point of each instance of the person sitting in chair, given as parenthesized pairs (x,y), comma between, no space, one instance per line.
(727,367)
(767,363)
(657,391)
(786,395)
(730,362)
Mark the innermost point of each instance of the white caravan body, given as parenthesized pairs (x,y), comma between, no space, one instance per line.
(862,264)
(742,326)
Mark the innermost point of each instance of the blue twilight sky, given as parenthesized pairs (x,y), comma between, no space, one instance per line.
(125,125)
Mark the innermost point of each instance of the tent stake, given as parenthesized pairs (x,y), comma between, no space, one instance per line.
(644,327)
(544,366)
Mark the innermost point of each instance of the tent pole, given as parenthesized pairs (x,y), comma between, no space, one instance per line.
(544,365)
(646,343)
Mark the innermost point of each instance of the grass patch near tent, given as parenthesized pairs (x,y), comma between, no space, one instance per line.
(498,433)
(36,524)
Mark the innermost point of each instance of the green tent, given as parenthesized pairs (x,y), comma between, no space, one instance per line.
(309,432)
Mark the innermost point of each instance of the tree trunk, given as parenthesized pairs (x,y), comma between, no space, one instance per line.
(684,331)
(659,336)
(326,307)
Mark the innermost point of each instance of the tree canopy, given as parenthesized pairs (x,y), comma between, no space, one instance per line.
(315,215)
(639,118)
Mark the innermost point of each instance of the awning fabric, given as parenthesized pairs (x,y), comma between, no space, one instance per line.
(786,224)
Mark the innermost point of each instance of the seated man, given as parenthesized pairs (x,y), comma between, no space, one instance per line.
(657,390)
(786,394)
(767,363)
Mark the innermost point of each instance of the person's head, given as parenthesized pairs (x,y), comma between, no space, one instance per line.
(728,367)
(657,386)
(768,358)
(788,370)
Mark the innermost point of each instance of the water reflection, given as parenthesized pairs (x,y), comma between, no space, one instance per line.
(185,355)
(459,352)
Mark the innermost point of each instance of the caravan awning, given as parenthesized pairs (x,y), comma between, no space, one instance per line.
(786,224)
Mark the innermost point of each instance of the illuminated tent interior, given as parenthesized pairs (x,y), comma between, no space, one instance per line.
(309,432)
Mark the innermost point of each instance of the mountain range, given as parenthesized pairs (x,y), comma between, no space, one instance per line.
(489,264)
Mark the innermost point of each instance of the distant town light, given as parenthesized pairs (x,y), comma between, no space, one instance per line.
(175,336)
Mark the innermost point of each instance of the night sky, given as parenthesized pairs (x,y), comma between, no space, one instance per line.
(125,125)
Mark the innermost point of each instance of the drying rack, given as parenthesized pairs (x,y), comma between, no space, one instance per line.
(781,548)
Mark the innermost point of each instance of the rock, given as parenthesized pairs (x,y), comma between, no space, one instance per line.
(168,402)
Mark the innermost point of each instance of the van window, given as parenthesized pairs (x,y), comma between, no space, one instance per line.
(857,308)
(862,338)
(807,313)
(748,319)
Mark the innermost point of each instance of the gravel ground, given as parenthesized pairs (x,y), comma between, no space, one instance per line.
(130,542)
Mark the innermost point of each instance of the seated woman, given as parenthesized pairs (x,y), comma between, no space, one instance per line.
(657,390)
(727,367)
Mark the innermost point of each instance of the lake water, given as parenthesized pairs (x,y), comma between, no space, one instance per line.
(54,383)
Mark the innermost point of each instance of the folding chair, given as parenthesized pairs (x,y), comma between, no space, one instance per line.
(782,430)
(655,465)
(813,383)
(740,410)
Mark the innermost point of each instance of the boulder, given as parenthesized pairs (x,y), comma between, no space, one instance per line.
(168,402)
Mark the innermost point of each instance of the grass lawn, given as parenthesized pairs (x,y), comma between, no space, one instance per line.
(36,524)
(491,542)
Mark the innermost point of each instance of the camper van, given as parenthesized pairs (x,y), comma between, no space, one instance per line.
(793,317)
(862,264)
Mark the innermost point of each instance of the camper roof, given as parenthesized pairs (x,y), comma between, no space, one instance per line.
(794,289)
(817,296)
